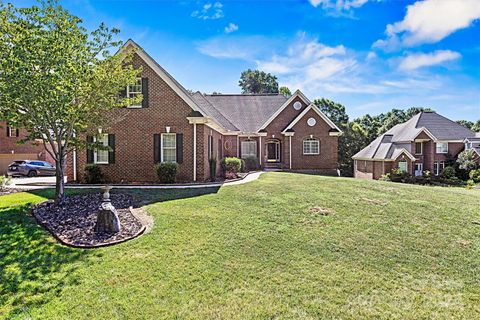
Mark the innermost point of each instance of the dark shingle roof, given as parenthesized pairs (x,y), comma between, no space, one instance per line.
(391,142)
(246,112)
(212,112)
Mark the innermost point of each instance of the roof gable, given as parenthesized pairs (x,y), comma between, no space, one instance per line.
(162,73)
(313,107)
(272,117)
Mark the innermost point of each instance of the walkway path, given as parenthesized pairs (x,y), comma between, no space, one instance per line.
(30,184)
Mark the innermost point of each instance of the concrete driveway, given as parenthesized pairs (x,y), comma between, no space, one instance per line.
(33,183)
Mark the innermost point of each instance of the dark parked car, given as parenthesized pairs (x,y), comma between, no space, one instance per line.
(31,168)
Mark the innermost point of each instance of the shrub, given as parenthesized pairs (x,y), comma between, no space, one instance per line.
(251,164)
(470,184)
(213,168)
(397,175)
(454,181)
(231,165)
(93,174)
(166,172)
(242,167)
(385,177)
(475,175)
(448,172)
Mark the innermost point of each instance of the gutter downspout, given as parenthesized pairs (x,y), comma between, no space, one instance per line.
(194,151)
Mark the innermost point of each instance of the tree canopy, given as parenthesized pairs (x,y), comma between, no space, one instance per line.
(57,80)
(335,111)
(256,81)
(285,91)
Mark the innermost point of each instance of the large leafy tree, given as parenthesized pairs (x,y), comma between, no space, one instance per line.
(57,80)
(476,126)
(465,123)
(256,81)
(335,111)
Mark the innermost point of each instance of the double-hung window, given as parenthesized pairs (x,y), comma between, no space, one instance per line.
(169,147)
(311,146)
(133,91)
(403,166)
(442,147)
(249,148)
(100,155)
(418,147)
(438,167)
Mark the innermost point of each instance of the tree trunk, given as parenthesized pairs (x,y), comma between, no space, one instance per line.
(59,183)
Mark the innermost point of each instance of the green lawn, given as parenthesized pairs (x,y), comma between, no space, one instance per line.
(257,251)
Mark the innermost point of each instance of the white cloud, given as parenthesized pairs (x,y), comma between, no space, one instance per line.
(209,11)
(338,4)
(237,47)
(430,21)
(320,69)
(309,60)
(231,27)
(419,60)
(372,55)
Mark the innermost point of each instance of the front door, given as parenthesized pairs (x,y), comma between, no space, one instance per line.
(273,151)
(418,169)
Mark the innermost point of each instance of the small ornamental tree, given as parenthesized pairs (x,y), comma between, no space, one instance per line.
(57,80)
(466,160)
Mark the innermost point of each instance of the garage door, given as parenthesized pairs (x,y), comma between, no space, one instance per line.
(7,158)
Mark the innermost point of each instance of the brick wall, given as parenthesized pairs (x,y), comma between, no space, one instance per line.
(275,128)
(134,130)
(328,157)
(9,144)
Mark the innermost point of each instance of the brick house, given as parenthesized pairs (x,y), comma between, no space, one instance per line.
(11,150)
(172,124)
(425,142)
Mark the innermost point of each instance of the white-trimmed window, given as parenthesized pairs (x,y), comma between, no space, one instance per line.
(133,91)
(418,147)
(169,147)
(403,166)
(442,147)
(101,156)
(311,146)
(249,148)
(438,167)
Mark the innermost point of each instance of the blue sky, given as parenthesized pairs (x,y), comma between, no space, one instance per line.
(370,55)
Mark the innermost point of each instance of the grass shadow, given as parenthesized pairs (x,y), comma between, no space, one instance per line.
(149,196)
(33,268)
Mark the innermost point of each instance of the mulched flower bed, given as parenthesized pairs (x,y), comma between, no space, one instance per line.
(73,222)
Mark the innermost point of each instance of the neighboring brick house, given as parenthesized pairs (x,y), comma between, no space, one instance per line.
(425,142)
(11,150)
(172,124)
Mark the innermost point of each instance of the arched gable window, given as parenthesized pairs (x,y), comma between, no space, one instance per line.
(311,146)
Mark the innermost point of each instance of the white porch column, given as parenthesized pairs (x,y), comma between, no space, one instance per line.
(290,152)
(238,146)
(260,150)
(194,151)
